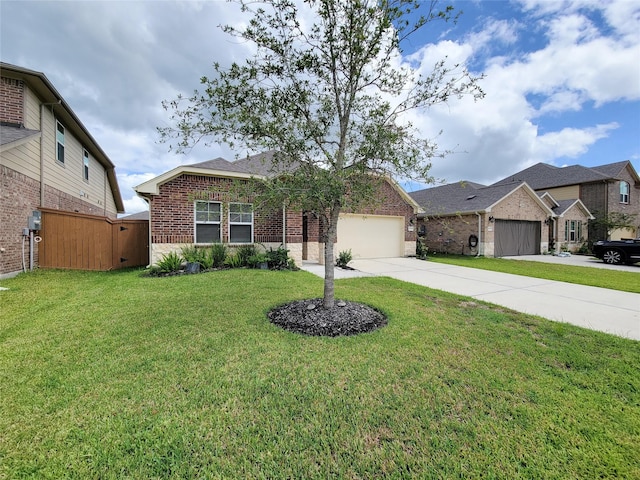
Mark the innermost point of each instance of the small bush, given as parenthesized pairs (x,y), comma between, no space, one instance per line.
(243,252)
(171,262)
(218,252)
(278,259)
(255,261)
(234,261)
(344,258)
(193,254)
(421,249)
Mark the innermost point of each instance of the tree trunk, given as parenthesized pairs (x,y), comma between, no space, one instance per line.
(329,261)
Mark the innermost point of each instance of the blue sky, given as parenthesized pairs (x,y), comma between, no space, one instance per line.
(562,78)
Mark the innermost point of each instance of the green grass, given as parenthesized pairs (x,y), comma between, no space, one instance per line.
(595,277)
(111,375)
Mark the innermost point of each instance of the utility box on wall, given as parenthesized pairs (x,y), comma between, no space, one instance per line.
(35,220)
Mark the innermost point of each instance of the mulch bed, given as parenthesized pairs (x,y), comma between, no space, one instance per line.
(309,317)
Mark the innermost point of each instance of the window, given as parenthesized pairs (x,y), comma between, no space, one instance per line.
(624,192)
(240,223)
(207,222)
(85,165)
(572,230)
(60,142)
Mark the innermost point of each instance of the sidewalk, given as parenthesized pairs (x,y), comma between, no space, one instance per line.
(601,309)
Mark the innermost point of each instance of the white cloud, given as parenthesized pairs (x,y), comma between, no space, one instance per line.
(569,142)
(114,62)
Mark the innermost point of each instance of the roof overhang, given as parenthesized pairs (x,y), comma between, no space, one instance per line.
(152,187)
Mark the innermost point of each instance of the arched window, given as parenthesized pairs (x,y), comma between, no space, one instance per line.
(624,192)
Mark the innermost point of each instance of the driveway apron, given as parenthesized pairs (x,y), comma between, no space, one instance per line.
(601,309)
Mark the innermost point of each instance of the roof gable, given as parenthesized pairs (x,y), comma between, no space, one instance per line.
(565,205)
(615,170)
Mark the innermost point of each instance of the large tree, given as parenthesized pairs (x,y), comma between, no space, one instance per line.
(327,88)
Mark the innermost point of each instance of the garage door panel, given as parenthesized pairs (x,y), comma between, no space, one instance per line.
(516,237)
(371,236)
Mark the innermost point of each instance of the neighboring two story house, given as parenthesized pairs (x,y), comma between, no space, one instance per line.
(195,204)
(48,159)
(605,189)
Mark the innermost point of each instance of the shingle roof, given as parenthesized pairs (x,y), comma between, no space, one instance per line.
(542,175)
(260,164)
(220,164)
(144,215)
(563,206)
(461,197)
(10,134)
(612,170)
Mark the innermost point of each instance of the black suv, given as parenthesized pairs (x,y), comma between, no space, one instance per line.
(616,252)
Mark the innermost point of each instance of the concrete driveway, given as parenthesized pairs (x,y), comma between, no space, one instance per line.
(578,261)
(595,308)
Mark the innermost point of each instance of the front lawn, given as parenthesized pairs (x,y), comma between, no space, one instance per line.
(594,277)
(111,375)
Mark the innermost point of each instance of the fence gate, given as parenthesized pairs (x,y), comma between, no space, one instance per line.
(88,242)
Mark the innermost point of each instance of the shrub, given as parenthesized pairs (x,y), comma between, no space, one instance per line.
(193,254)
(255,261)
(421,249)
(171,262)
(218,253)
(278,259)
(243,252)
(234,261)
(344,258)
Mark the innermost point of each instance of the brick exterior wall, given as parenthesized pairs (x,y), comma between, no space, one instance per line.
(451,234)
(172,212)
(172,216)
(577,214)
(19,196)
(12,106)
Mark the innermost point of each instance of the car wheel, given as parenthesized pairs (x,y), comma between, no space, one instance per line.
(614,257)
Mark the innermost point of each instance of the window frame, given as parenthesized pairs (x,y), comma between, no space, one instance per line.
(575,227)
(85,165)
(207,222)
(624,196)
(242,222)
(60,141)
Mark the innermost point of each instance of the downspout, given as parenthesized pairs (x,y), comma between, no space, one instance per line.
(42,155)
(479,233)
(104,197)
(284,226)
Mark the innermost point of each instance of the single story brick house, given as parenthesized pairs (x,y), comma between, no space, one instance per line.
(498,220)
(194,204)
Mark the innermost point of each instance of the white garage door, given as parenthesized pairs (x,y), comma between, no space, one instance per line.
(371,236)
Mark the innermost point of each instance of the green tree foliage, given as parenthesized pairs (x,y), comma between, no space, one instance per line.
(327,89)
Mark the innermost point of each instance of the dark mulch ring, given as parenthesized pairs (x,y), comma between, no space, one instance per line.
(309,317)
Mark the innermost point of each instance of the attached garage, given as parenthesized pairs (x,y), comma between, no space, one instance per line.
(371,236)
(516,237)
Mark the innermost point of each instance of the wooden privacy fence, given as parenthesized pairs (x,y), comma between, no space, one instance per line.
(86,242)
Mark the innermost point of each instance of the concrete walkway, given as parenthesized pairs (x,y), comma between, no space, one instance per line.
(595,308)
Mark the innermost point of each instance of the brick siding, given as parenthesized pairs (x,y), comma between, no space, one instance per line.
(20,195)
(12,106)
